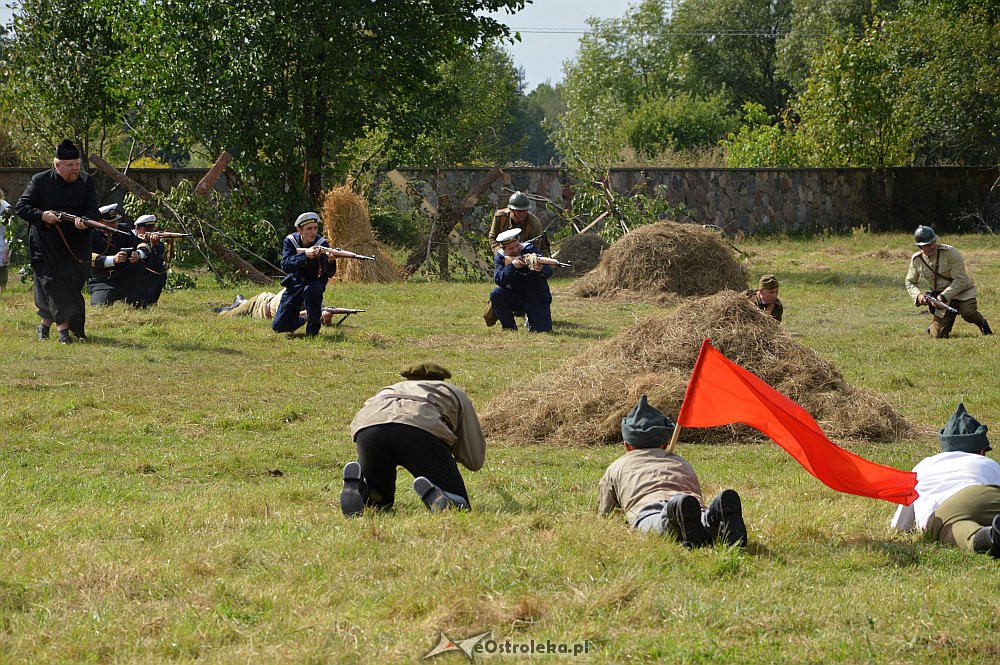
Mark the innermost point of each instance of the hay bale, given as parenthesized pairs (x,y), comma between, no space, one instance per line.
(585,401)
(664,259)
(583,251)
(347,225)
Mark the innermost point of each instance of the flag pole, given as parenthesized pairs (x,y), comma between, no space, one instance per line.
(673,439)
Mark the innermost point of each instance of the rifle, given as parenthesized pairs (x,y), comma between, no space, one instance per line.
(336,253)
(548,261)
(342,310)
(934,302)
(170,235)
(89,223)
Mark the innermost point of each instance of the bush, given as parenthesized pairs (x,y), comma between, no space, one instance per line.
(678,123)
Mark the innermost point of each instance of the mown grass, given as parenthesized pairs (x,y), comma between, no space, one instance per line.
(168,492)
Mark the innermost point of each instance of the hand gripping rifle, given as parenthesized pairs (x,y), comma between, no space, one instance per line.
(936,302)
(336,253)
(89,223)
(342,310)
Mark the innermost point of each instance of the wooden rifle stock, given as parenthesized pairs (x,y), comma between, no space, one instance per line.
(336,253)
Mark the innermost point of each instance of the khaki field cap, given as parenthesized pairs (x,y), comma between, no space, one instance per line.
(768,282)
(305,218)
(431,371)
(510,235)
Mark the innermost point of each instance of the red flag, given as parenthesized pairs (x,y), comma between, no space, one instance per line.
(721,392)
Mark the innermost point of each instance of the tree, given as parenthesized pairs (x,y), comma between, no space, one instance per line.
(284,85)
(812,23)
(761,142)
(619,64)
(57,81)
(852,111)
(732,44)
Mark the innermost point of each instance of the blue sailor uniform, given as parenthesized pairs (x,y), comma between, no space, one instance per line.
(304,284)
(522,290)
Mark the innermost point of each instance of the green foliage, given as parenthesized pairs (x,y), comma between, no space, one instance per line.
(947,66)
(16,235)
(593,196)
(853,112)
(761,142)
(235,221)
(812,23)
(678,123)
(732,44)
(59,77)
(284,85)
(619,64)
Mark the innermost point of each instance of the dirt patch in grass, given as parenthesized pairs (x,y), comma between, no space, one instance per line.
(662,261)
(585,401)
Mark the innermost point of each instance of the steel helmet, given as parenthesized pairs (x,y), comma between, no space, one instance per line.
(518,201)
(924,235)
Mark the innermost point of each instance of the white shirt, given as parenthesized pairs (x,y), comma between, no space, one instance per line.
(3,240)
(938,478)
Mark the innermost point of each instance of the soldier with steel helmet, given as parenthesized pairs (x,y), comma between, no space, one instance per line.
(937,279)
(516,214)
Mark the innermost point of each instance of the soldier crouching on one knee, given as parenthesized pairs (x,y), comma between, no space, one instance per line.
(522,284)
(938,271)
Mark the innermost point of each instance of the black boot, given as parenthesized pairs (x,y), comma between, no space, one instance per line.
(64,337)
(432,495)
(352,497)
(684,521)
(987,539)
(724,519)
(43,331)
(984,327)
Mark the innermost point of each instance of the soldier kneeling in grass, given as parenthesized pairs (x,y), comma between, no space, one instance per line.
(659,490)
(959,490)
(423,424)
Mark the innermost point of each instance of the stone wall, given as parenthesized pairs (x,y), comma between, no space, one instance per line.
(737,200)
(752,200)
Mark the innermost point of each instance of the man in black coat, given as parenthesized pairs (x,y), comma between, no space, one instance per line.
(60,251)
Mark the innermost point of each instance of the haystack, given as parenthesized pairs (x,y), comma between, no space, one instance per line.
(348,226)
(582,251)
(665,259)
(585,401)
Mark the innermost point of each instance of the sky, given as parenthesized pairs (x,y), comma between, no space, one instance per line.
(539,54)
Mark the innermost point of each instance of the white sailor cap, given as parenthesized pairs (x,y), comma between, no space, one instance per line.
(112,210)
(508,235)
(306,217)
(146,219)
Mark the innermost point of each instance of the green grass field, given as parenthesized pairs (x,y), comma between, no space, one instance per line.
(169,491)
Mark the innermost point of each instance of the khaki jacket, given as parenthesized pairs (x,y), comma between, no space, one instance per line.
(643,476)
(951,279)
(502,220)
(436,407)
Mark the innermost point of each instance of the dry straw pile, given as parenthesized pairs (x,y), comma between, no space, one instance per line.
(583,251)
(348,226)
(664,260)
(585,401)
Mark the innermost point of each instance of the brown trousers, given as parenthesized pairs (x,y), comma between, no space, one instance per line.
(941,326)
(965,512)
